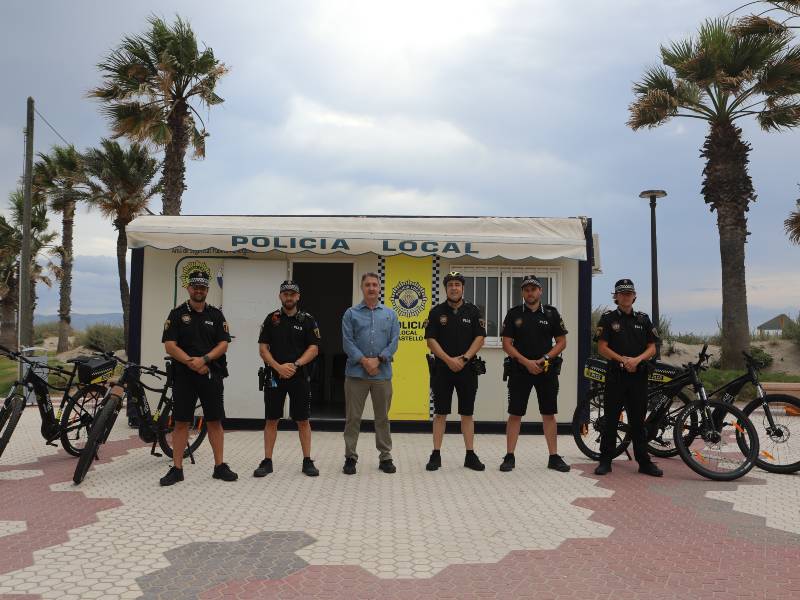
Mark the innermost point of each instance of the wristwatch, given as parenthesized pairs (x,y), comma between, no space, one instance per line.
(464,358)
(546,357)
(206,359)
(297,365)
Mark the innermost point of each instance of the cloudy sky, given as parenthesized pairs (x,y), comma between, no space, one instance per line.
(423,107)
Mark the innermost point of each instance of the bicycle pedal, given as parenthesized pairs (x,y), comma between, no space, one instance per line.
(51,444)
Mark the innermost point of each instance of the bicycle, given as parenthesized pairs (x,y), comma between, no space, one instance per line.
(153,428)
(83,402)
(776,412)
(703,430)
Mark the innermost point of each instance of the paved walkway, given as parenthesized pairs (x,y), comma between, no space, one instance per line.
(532,533)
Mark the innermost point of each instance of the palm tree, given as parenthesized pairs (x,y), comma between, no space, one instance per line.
(792,226)
(149,82)
(11,239)
(60,177)
(121,185)
(722,75)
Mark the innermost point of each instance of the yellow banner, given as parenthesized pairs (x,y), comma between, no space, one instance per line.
(408,292)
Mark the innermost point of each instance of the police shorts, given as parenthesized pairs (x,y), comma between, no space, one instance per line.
(519,390)
(299,392)
(189,387)
(465,383)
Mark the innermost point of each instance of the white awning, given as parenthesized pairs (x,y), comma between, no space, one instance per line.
(478,237)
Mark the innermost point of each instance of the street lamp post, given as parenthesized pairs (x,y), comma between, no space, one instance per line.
(653,195)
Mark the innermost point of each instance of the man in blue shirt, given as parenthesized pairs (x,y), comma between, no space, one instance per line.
(370,333)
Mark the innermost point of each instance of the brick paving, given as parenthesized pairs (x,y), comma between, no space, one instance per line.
(532,533)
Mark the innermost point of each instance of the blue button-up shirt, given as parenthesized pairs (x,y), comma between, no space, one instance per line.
(370,332)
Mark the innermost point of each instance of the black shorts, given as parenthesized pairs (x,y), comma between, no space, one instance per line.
(190,387)
(519,390)
(465,383)
(299,392)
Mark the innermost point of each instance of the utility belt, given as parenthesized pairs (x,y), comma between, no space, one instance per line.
(477,365)
(551,366)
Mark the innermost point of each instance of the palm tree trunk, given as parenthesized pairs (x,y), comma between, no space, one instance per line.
(8,314)
(124,291)
(65,285)
(727,187)
(175,160)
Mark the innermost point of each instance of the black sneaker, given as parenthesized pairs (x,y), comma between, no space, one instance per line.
(387,466)
(435,461)
(173,476)
(557,463)
(603,468)
(264,468)
(223,471)
(650,468)
(508,463)
(471,461)
(349,467)
(309,468)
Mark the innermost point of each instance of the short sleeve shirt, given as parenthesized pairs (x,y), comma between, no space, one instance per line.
(455,328)
(289,337)
(196,333)
(533,330)
(626,334)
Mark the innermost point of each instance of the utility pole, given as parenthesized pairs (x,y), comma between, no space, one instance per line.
(23,306)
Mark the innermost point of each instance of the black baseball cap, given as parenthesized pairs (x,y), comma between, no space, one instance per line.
(624,285)
(290,286)
(198,279)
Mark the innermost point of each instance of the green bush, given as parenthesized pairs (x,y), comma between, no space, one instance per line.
(103,337)
(46,330)
(761,356)
(791,331)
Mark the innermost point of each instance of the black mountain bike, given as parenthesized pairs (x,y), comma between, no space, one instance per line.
(714,438)
(774,416)
(79,402)
(153,428)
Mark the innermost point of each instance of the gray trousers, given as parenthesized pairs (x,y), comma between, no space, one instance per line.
(355,395)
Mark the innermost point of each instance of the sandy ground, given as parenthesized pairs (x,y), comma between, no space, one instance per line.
(785,354)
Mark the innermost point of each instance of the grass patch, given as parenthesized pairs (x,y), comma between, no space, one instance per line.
(715,378)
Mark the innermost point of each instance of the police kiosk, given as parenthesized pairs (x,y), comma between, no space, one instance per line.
(249,256)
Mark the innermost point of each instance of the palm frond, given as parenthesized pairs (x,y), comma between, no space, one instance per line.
(792,227)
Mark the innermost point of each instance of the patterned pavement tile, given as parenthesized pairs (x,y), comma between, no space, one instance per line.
(20,474)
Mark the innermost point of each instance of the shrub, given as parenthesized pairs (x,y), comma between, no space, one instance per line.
(762,356)
(103,337)
(791,331)
(46,330)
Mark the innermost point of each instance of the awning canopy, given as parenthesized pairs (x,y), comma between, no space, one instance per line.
(478,237)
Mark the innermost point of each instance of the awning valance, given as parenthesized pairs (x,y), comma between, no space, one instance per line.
(478,237)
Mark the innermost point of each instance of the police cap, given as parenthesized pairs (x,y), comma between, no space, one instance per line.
(530,280)
(624,285)
(290,286)
(198,279)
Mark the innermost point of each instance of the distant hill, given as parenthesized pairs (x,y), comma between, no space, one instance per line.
(80,321)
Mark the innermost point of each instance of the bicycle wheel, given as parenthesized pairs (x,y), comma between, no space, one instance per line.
(166,424)
(97,435)
(10,413)
(724,442)
(79,414)
(587,435)
(777,453)
(661,442)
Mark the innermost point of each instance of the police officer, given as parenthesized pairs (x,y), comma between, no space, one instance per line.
(529,330)
(288,342)
(455,332)
(196,337)
(626,338)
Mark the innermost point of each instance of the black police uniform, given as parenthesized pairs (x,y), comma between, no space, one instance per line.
(627,335)
(197,333)
(288,338)
(533,332)
(454,329)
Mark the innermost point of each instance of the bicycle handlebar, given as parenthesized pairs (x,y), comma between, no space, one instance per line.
(151,370)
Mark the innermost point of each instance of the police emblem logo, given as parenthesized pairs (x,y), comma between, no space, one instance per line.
(166,324)
(186,319)
(408,298)
(276,318)
(225,327)
(316,332)
(599,331)
(442,319)
(615,326)
(518,322)
(482,323)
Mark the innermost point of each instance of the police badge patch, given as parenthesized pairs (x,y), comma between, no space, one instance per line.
(599,331)
(225,327)
(615,326)
(482,323)
(166,324)
(408,298)
(316,332)
(518,322)
(276,318)
(186,319)
(442,319)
